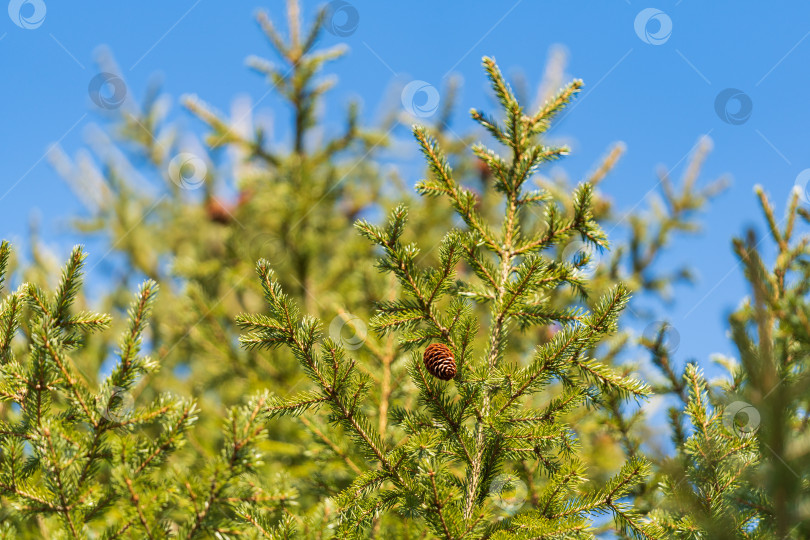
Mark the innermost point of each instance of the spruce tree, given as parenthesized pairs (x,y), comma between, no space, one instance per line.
(87,455)
(292,200)
(199,242)
(69,452)
(463,434)
(741,464)
(199,245)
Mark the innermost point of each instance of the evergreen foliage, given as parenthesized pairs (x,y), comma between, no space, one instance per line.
(69,456)
(741,468)
(200,245)
(290,198)
(542,433)
(463,435)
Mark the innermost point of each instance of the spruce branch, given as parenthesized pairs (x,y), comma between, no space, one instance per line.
(77,438)
(460,435)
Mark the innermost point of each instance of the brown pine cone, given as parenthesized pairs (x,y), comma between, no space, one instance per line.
(219,211)
(440,362)
(483,170)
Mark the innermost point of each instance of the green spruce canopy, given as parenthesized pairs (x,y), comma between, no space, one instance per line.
(283,428)
(462,436)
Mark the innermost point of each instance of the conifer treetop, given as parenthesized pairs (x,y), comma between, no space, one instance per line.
(462,434)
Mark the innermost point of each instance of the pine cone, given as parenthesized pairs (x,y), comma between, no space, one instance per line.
(440,362)
(218,211)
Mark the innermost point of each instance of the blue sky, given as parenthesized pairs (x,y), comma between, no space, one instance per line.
(658,96)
